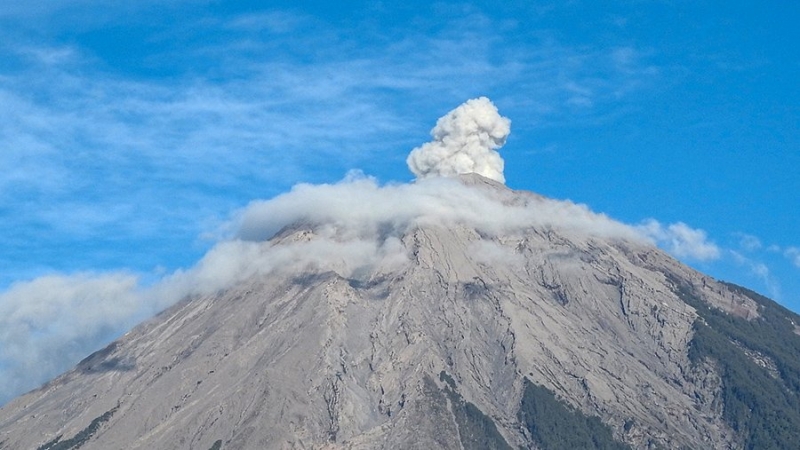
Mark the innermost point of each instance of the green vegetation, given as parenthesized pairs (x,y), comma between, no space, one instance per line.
(217,445)
(554,425)
(476,430)
(762,406)
(82,436)
(444,376)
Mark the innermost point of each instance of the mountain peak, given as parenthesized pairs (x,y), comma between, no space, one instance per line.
(451,312)
(449,330)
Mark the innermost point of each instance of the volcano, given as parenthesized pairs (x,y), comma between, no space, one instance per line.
(527,339)
(449,313)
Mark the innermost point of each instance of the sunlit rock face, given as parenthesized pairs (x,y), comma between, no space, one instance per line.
(432,343)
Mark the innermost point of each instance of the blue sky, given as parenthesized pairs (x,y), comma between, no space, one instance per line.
(131,134)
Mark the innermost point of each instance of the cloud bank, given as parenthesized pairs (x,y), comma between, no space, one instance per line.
(464,141)
(360,207)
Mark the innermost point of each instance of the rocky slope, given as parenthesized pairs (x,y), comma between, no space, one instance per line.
(438,350)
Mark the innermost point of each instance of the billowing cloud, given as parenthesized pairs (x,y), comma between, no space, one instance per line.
(52,322)
(681,240)
(363,208)
(465,140)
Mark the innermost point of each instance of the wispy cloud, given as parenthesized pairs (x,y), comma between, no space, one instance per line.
(752,244)
(793,253)
(749,242)
(681,240)
(760,270)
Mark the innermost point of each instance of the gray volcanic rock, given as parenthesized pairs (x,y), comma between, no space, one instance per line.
(430,353)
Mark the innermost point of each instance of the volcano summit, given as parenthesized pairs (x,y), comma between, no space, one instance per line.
(452,312)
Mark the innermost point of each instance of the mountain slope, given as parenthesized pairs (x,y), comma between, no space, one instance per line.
(450,346)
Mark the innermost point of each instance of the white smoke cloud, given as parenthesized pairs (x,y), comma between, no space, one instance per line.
(492,253)
(360,207)
(237,260)
(54,321)
(464,141)
(681,240)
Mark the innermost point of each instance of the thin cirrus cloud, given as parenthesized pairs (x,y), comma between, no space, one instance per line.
(793,254)
(753,245)
(748,242)
(758,269)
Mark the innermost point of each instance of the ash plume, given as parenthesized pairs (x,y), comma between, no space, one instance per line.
(465,140)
